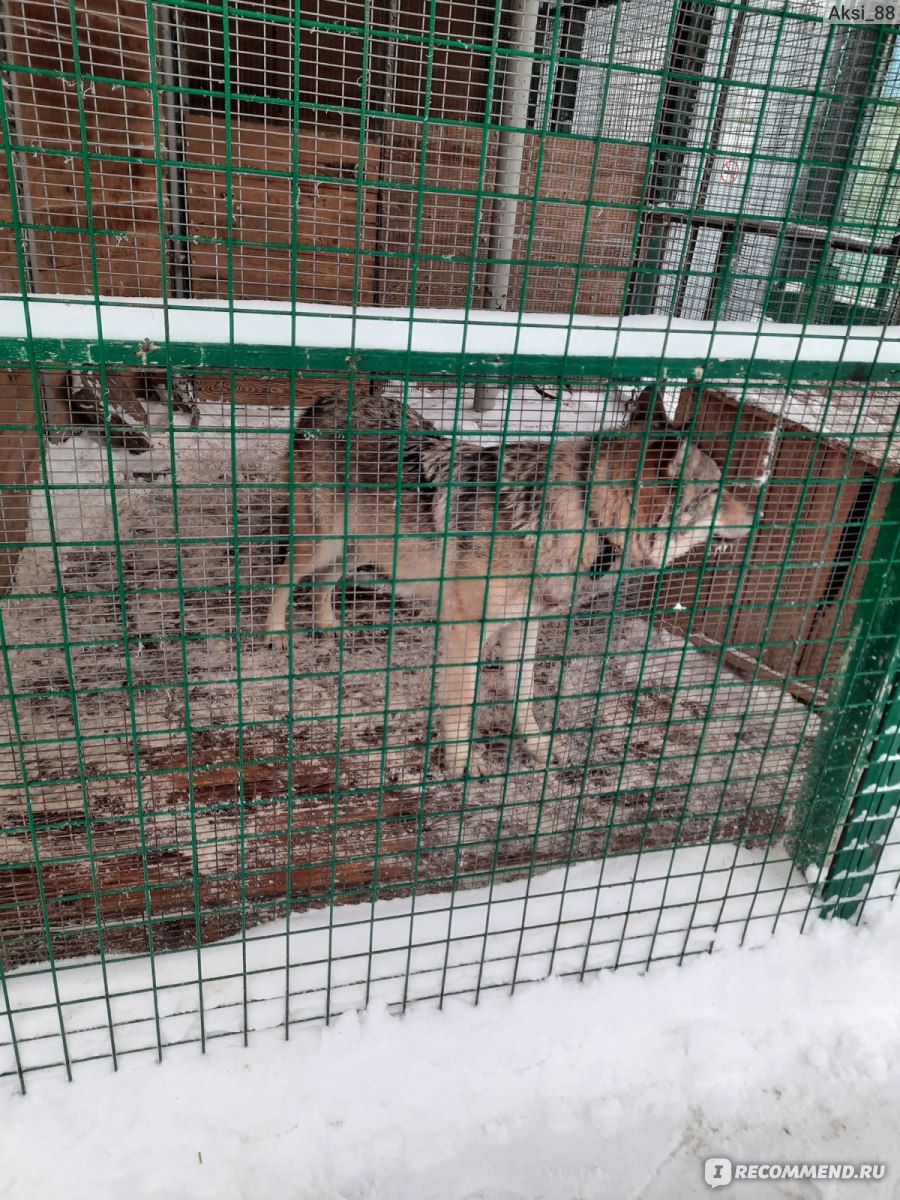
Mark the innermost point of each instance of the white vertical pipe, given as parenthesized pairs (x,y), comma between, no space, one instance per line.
(508,179)
(170,51)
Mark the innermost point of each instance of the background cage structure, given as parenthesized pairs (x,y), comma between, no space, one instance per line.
(510,218)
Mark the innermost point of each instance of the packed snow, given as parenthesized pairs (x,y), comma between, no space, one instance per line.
(620,1085)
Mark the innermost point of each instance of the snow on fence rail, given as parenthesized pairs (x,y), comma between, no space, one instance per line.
(357,330)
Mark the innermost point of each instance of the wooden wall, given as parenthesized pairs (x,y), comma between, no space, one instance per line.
(9,256)
(18,466)
(332,60)
(411,246)
(367,244)
(332,263)
(118,209)
(557,184)
(401,239)
(779,618)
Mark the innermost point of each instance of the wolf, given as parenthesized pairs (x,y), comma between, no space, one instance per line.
(496,536)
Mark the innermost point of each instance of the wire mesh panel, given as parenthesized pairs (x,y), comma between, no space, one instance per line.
(446,481)
(695,159)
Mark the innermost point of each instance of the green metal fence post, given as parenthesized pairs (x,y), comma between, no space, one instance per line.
(871,815)
(847,807)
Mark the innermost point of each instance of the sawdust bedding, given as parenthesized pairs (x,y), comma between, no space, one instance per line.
(193,747)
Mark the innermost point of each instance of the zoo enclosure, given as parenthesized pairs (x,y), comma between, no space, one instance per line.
(342,198)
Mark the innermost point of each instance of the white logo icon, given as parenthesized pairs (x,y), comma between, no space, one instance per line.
(717,1171)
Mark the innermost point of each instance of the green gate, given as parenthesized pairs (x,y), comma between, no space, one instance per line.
(640,261)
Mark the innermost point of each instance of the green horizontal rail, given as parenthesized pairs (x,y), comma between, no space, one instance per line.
(325,359)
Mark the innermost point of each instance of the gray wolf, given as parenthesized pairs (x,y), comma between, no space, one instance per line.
(495,536)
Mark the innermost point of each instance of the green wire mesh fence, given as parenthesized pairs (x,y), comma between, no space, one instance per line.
(446,485)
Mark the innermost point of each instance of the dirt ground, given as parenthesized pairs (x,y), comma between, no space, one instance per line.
(154,787)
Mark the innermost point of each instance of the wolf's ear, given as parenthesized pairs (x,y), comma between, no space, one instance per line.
(647,412)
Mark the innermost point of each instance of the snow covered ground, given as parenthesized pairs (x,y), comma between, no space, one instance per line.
(620,1086)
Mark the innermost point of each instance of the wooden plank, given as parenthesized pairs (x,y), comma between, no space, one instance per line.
(830,623)
(331,67)
(446,243)
(274,392)
(123,205)
(607,255)
(329,269)
(9,262)
(457,75)
(849,417)
(374,845)
(18,466)
(811,495)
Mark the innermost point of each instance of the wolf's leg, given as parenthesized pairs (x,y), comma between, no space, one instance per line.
(459,645)
(324,618)
(312,557)
(285,578)
(318,566)
(518,643)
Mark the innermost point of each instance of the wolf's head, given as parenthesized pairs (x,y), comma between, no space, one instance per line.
(676,500)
